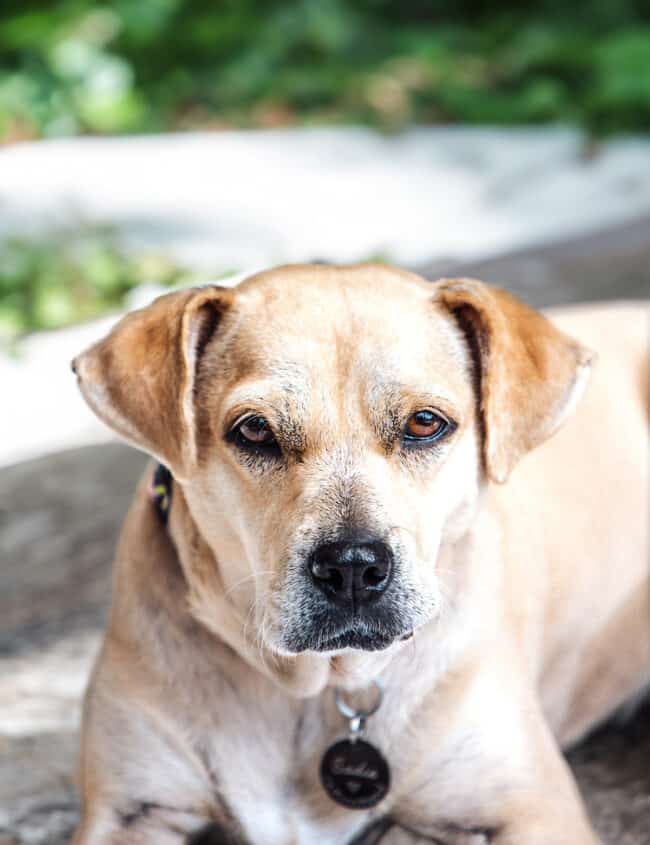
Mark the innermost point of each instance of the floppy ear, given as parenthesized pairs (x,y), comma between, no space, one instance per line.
(530,374)
(140,378)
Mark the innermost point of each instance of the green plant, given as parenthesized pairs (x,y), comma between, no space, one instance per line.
(72,275)
(81,66)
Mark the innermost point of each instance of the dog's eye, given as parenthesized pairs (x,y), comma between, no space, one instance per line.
(255,431)
(254,438)
(425,425)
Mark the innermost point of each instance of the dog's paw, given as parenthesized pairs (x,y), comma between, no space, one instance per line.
(398,835)
(213,834)
(465,837)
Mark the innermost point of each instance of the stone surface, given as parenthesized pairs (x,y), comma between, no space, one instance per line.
(59,519)
(249,199)
(610,264)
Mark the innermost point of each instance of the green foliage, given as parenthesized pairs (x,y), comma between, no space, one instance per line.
(76,66)
(83,66)
(72,275)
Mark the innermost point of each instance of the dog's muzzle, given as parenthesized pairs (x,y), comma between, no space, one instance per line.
(346,598)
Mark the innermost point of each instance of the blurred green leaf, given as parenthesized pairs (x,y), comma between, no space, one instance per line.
(74,274)
(123,66)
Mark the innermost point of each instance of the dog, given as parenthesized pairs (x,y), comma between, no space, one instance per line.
(395,560)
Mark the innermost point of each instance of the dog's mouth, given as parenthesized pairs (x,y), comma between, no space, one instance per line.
(308,623)
(355,639)
(350,638)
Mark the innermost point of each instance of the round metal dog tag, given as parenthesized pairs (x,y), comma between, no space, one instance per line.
(355,774)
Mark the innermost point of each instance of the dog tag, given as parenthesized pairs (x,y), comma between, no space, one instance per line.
(355,774)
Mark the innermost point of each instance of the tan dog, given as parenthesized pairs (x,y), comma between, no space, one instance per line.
(345,445)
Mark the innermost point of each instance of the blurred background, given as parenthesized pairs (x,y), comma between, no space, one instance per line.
(146,144)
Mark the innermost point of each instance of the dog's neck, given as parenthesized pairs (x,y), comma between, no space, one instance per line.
(211,603)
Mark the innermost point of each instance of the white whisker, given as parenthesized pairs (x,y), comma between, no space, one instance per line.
(250,577)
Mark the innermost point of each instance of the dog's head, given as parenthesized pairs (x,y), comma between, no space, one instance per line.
(332,429)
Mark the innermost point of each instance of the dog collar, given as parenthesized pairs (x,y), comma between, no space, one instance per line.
(160,492)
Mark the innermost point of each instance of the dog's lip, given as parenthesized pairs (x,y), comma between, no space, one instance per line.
(363,641)
(354,639)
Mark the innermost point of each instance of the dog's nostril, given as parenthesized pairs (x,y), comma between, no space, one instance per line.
(329,576)
(373,577)
(324,571)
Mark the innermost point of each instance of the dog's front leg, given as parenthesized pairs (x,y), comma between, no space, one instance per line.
(386,831)
(151,825)
(144,825)
(526,825)
(445,835)
(542,806)
(531,798)
(546,823)
(503,780)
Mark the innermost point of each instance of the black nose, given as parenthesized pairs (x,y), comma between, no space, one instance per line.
(351,573)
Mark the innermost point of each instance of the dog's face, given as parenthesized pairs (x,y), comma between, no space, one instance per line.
(331,429)
(340,444)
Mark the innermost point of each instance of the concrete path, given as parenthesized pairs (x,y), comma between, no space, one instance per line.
(238,200)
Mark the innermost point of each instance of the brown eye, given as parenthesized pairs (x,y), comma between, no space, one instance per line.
(425,425)
(256,431)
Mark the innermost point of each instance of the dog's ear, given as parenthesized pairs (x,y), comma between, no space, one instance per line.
(140,378)
(530,374)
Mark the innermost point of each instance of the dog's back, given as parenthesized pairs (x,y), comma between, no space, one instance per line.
(582,501)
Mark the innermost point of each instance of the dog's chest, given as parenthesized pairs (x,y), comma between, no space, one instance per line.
(265,753)
(267,766)
(266,763)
